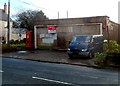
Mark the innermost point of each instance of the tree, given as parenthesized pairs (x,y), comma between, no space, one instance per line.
(15,24)
(28,18)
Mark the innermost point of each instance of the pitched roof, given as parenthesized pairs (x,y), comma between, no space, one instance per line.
(3,15)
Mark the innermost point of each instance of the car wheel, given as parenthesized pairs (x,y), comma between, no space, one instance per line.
(91,55)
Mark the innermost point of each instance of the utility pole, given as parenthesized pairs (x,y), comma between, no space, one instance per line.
(8,24)
(58,14)
(67,14)
(58,19)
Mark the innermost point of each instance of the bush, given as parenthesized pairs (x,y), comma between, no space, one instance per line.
(21,41)
(22,45)
(3,41)
(5,48)
(112,47)
(100,59)
(114,58)
(13,47)
(24,40)
(16,42)
(12,41)
(110,56)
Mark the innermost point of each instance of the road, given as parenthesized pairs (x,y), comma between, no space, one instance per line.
(17,71)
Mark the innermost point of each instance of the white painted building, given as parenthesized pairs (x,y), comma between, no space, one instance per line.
(14,32)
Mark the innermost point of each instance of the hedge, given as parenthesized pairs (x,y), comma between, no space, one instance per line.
(110,56)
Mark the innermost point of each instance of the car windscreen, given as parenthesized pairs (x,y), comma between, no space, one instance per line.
(81,39)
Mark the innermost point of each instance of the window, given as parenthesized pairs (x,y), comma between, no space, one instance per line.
(81,39)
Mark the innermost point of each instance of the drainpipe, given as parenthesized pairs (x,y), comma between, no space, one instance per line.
(101,33)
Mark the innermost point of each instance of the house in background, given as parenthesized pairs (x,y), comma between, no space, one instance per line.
(15,33)
(18,33)
(3,24)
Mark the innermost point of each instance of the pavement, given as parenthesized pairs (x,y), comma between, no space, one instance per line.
(50,56)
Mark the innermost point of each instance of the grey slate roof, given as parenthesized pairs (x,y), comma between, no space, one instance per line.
(3,15)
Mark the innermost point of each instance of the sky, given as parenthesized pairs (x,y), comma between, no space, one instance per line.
(74,8)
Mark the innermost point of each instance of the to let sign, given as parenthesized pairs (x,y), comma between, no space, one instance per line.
(52,29)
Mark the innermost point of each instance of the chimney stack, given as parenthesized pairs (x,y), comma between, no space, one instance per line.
(5,8)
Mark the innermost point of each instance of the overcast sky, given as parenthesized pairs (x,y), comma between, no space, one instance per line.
(75,8)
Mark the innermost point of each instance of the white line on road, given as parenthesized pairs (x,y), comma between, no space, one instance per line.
(1,71)
(52,80)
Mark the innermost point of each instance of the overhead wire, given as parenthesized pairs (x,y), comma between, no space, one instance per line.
(19,8)
(36,6)
(41,8)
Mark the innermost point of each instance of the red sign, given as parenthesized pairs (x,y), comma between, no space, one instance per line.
(51,29)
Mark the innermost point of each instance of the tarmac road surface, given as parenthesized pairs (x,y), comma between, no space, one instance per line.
(17,71)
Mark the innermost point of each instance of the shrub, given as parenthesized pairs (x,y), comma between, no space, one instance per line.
(110,55)
(100,59)
(24,40)
(6,48)
(12,41)
(21,41)
(113,58)
(22,45)
(3,42)
(16,42)
(112,47)
(13,47)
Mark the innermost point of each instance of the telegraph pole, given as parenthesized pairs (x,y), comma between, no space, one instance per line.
(58,14)
(8,24)
(58,19)
(67,14)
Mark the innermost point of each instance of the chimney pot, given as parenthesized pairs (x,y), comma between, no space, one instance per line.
(5,8)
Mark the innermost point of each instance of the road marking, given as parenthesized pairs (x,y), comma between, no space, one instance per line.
(1,71)
(50,80)
(90,76)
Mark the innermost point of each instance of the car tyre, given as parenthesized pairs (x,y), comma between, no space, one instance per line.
(91,55)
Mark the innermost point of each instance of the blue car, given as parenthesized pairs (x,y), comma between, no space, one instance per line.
(85,46)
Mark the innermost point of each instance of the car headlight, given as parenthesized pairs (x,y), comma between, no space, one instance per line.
(84,50)
(69,49)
